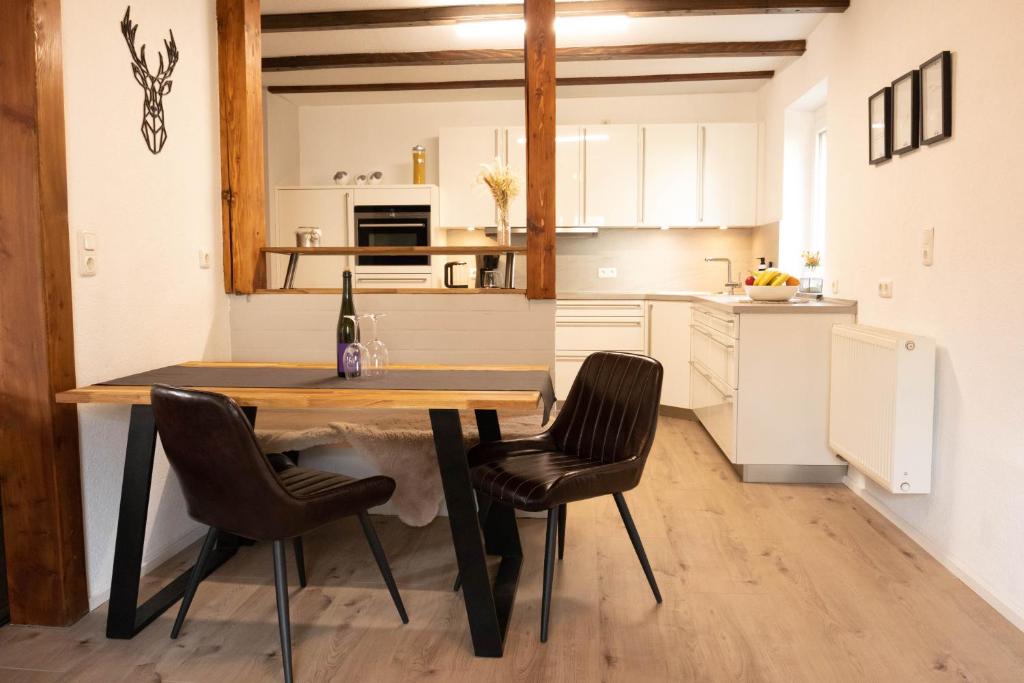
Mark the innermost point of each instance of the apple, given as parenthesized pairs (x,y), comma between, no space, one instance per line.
(749,280)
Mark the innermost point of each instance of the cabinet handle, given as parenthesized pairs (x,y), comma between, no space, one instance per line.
(707,378)
(603,323)
(724,346)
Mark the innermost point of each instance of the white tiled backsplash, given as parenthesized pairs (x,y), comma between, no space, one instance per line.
(652,260)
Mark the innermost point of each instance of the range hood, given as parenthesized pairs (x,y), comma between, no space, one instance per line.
(587,230)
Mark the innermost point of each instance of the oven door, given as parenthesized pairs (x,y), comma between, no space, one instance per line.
(393,229)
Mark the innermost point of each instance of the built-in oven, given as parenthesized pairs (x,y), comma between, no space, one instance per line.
(393,226)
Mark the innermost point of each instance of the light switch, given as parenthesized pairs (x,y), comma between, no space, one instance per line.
(204,259)
(928,246)
(885,289)
(87,253)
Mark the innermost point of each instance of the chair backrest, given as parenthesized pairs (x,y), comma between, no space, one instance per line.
(227,480)
(611,412)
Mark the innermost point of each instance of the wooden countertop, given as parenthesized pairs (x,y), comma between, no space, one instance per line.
(333,398)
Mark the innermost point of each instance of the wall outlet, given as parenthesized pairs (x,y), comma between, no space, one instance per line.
(605,273)
(885,289)
(204,259)
(928,246)
(835,286)
(87,253)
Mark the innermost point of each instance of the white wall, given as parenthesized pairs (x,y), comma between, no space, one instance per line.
(968,189)
(419,328)
(281,139)
(150,304)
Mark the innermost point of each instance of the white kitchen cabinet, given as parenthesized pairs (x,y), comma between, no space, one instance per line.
(668,334)
(326,208)
(568,174)
(669,155)
(727,154)
(462,151)
(759,385)
(612,175)
(585,326)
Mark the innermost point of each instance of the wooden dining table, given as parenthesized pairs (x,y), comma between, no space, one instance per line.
(488,603)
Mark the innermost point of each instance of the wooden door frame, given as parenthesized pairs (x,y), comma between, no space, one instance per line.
(39,462)
(242,152)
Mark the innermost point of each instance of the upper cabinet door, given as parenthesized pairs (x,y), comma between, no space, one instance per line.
(728,174)
(612,175)
(325,208)
(568,174)
(669,174)
(462,151)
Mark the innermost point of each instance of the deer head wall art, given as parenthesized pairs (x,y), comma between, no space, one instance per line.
(155,85)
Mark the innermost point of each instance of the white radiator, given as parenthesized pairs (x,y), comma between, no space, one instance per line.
(881,405)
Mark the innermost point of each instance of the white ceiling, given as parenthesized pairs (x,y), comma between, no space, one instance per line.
(749,27)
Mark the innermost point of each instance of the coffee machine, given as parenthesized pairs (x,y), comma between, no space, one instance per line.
(487,276)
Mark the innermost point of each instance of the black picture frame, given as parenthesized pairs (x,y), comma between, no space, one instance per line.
(885,154)
(911,118)
(944,62)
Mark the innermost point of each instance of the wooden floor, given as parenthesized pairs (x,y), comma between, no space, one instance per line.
(761,582)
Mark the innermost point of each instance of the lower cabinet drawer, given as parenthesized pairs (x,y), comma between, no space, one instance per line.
(566,369)
(715,407)
(626,334)
(716,352)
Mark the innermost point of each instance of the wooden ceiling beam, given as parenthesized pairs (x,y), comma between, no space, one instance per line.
(439,16)
(516,82)
(773,48)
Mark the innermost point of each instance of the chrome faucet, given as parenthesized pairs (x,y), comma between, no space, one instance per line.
(729,284)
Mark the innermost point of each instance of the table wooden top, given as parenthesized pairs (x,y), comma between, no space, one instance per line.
(394,399)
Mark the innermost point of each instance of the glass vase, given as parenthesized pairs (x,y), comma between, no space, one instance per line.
(504,231)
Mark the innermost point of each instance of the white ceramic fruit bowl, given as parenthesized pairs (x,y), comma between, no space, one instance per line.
(765,293)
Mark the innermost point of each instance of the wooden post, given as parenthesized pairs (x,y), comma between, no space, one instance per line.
(540,148)
(39,463)
(241,145)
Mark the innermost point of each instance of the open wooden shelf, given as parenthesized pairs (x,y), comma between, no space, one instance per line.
(395,251)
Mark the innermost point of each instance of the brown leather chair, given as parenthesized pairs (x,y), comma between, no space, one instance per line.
(232,487)
(596,446)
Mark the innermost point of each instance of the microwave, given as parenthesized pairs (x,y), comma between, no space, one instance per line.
(392,226)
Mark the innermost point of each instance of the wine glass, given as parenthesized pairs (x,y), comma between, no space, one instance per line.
(355,353)
(376,362)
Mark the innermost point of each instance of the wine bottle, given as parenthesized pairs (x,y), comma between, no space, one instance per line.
(346,326)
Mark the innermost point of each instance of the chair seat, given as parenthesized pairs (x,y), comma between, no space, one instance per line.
(531,474)
(339,495)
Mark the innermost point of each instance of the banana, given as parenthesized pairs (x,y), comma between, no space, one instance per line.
(779,279)
(764,277)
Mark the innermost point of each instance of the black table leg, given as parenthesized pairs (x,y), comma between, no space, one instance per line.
(125,617)
(487,609)
(501,533)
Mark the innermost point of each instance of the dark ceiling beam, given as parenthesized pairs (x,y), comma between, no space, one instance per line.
(437,16)
(516,82)
(515,56)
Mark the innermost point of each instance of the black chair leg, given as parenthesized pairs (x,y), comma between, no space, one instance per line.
(283,620)
(562,510)
(627,519)
(549,572)
(382,563)
(300,560)
(485,507)
(193,581)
